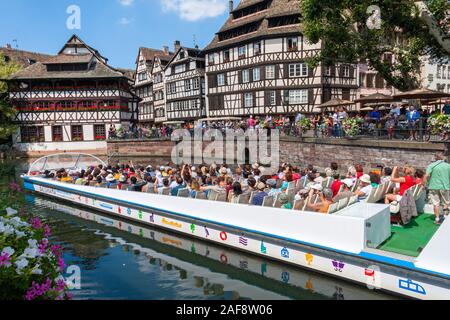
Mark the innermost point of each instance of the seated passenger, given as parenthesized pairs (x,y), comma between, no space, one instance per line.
(406,182)
(234,194)
(284,200)
(387,174)
(179,184)
(195,188)
(159,190)
(110,181)
(150,184)
(272,184)
(346,193)
(260,195)
(365,187)
(325,199)
(336,185)
(99,181)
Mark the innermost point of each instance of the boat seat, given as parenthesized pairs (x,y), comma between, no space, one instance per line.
(200,195)
(113,186)
(253,193)
(166,191)
(343,203)
(352,200)
(277,203)
(244,198)
(268,201)
(356,185)
(222,197)
(291,194)
(298,205)
(212,195)
(371,197)
(183,193)
(125,187)
(333,208)
(291,185)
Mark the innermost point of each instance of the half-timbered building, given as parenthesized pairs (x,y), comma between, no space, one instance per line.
(159,85)
(69,101)
(257,64)
(143,83)
(185,84)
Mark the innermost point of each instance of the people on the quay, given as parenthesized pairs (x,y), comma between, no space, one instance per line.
(437,180)
(396,121)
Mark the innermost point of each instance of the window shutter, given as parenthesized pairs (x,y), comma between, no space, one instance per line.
(254,99)
(250,72)
(311,96)
(262,71)
(226,78)
(310,71)
(333,70)
(286,71)
(243,100)
(286,96)
(240,76)
(277,71)
(278,97)
(341,71)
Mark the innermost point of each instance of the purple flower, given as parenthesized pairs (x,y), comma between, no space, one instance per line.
(61,264)
(47,231)
(43,246)
(36,223)
(5,259)
(14,187)
(56,250)
(60,285)
(36,290)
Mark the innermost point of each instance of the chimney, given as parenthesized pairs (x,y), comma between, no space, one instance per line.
(177,45)
(166,49)
(8,46)
(231,6)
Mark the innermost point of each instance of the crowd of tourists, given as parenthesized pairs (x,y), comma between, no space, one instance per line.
(396,121)
(317,191)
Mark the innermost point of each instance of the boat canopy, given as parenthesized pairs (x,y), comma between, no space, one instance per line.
(69,161)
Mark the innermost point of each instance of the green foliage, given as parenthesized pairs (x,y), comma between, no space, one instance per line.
(341,25)
(7,112)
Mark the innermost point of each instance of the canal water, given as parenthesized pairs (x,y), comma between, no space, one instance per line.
(122,260)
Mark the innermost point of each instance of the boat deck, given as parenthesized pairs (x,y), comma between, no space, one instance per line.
(410,239)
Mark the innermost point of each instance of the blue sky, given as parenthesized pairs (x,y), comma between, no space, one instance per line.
(117,28)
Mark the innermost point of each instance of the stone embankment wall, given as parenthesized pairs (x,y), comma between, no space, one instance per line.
(319,152)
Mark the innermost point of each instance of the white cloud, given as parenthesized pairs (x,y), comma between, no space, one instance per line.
(126,3)
(194,10)
(125,21)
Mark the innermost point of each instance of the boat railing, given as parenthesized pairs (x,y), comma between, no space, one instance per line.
(68,161)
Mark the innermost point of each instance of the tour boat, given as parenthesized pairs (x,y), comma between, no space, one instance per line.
(357,243)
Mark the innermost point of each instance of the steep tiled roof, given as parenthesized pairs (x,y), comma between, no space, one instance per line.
(39,71)
(24,58)
(69,58)
(276,8)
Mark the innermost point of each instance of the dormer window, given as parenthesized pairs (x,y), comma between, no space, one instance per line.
(182,55)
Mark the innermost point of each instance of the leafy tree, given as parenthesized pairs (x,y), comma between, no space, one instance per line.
(7,112)
(408,30)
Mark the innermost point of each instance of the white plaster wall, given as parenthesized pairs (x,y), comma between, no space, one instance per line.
(61,146)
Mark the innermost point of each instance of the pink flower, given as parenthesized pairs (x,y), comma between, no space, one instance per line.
(14,187)
(5,259)
(36,223)
(47,231)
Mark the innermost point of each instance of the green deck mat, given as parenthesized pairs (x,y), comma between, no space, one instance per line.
(408,239)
